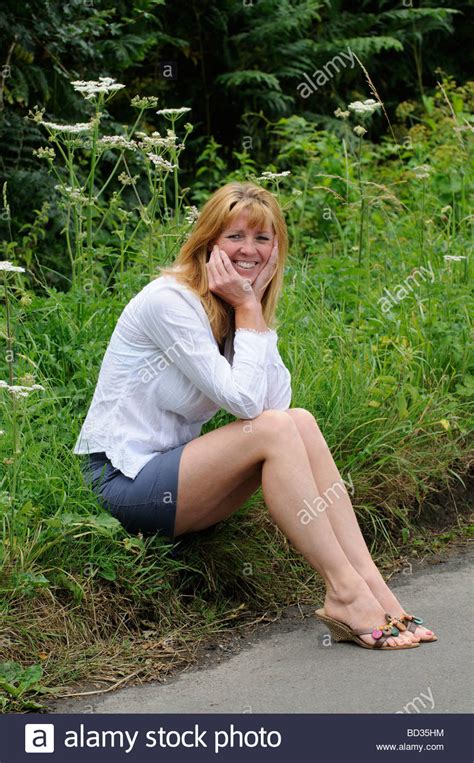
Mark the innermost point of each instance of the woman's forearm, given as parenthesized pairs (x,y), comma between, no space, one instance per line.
(250,316)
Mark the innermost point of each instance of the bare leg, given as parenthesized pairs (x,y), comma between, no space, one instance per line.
(213,465)
(341,513)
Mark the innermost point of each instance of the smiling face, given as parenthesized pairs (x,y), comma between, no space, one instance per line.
(247,247)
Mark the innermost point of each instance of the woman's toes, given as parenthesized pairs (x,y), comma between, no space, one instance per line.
(424,634)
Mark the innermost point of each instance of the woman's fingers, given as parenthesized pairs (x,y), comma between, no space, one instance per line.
(214,265)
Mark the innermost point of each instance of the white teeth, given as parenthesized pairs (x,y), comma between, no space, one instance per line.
(247,265)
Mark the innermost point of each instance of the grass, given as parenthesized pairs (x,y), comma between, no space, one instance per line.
(81,600)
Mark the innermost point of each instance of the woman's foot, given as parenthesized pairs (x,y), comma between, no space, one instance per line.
(390,603)
(358,608)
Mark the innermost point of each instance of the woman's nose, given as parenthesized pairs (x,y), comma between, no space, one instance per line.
(248,246)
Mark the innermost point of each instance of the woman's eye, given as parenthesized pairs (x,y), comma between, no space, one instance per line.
(237,235)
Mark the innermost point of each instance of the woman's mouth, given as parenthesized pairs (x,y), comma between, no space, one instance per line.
(245,265)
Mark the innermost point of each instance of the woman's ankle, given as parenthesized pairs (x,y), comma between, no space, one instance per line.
(382,592)
(345,589)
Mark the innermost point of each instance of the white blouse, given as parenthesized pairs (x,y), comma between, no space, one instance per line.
(163,376)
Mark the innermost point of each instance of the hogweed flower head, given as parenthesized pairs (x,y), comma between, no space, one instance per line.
(117,141)
(45,152)
(19,390)
(161,163)
(10,268)
(359,130)
(341,114)
(192,214)
(145,102)
(90,88)
(173,113)
(364,107)
(127,179)
(36,115)
(73,194)
(74,129)
(273,175)
(155,140)
(422,171)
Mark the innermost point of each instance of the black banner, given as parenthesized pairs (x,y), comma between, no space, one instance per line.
(276,738)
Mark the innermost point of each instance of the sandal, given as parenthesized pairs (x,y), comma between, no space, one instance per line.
(343,632)
(411,622)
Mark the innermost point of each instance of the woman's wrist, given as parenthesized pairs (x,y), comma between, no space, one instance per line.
(250,316)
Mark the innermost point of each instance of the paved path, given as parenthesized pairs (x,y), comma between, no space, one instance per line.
(290,669)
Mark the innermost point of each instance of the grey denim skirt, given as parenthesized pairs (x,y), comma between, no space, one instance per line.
(146,504)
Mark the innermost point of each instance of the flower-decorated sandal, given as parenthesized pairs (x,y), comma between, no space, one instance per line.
(412,622)
(343,632)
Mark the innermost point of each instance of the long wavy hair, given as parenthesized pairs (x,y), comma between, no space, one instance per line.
(189,267)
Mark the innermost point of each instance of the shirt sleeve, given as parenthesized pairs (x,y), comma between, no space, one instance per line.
(181,330)
(278,395)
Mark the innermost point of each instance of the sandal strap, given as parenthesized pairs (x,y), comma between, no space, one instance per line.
(389,623)
(411,622)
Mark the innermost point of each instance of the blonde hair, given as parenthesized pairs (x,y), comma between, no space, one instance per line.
(189,267)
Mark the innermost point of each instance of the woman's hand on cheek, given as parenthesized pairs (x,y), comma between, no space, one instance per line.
(225,282)
(266,274)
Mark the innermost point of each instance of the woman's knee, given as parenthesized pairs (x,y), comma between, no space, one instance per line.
(307,425)
(273,423)
(303,419)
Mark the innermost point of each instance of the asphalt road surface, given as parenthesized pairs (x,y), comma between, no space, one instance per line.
(292,669)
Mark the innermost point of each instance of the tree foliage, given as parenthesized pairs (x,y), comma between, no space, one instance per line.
(237,65)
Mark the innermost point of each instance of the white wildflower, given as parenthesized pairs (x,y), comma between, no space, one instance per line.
(2,432)
(147,102)
(174,112)
(45,153)
(192,214)
(454,257)
(74,194)
(19,390)
(161,163)
(76,128)
(36,115)
(422,171)
(364,107)
(90,88)
(155,140)
(341,114)
(5,265)
(127,179)
(273,175)
(117,141)
(359,130)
